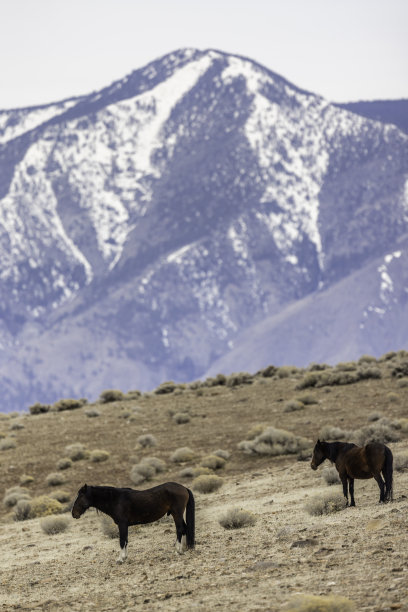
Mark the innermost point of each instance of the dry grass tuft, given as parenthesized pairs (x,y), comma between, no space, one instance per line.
(147,440)
(37,507)
(98,455)
(76,451)
(401,461)
(64,463)
(182,454)
(141,472)
(330,475)
(156,463)
(7,444)
(325,504)
(314,603)
(214,462)
(222,453)
(55,479)
(207,483)
(236,518)
(293,405)
(274,442)
(92,413)
(54,524)
(14,494)
(333,433)
(181,417)
(191,472)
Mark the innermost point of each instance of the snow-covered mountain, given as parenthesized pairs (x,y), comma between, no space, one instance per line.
(147,229)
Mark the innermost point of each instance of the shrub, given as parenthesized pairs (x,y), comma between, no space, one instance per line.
(314,603)
(54,524)
(213,462)
(39,408)
(97,455)
(269,371)
(274,441)
(374,416)
(14,494)
(66,404)
(64,463)
(181,417)
(109,527)
(222,453)
(236,518)
(207,483)
(62,496)
(22,510)
(16,426)
(219,380)
(37,507)
(293,405)
(382,431)
(26,479)
(347,366)
(55,479)
(325,504)
(147,440)
(401,369)
(333,433)
(402,383)
(141,472)
(393,397)
(156,463)
(92,413)
(7,444)
(165,387)
(182,454)
(307,399)
(191,472)
(76,451)
(256,430)
(111,395)
(240,378)
(367,359)
(401,461)
(330,475)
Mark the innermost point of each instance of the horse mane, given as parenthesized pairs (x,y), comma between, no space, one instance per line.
(335,447)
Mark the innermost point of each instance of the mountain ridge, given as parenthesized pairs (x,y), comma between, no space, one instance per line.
(167,222)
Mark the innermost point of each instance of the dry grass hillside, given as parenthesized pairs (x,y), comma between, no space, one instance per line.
(286,556)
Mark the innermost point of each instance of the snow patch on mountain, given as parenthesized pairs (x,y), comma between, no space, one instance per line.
(14,123)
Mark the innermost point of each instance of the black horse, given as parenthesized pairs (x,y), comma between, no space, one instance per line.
(353,461)
(131,507)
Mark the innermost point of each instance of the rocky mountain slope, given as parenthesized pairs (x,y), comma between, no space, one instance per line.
(146,227)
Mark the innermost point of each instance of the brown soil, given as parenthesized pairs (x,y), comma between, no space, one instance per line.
(360,553)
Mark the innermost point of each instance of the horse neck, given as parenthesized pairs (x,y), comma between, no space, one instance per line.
(101,499)
(333,449)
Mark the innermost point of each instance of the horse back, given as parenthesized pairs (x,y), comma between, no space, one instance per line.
(363,462)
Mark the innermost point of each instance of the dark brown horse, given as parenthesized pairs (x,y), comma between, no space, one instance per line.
(131,507)
(353,461)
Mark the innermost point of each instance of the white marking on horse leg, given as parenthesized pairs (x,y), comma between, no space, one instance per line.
(122,555)
(184,542)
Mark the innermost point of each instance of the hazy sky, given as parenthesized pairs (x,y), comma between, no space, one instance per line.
(345,50)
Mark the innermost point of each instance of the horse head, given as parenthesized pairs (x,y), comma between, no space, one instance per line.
(318,455)
(81,503)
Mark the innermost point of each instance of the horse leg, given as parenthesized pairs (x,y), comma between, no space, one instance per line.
(351,489)
(343,478)
(181,529)
(381,484)
(123,538)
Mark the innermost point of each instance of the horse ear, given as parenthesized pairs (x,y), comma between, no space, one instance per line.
(318,442)
(85,487)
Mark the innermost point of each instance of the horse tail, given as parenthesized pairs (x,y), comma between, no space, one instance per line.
(190,520)
(387,471)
